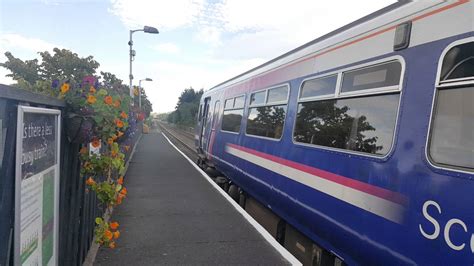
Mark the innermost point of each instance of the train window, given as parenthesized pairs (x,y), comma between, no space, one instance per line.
(452,134)
(229,103)
(279,94)
(318,87)
(363,124)
(233,113)
(268,118)
(458,63)
(374,77)
(231,120)
(451,140)
(239,102)
(257,98)
(266,121)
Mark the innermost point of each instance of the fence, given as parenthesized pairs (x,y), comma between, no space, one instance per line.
(77,207)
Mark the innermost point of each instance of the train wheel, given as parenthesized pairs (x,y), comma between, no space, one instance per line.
(234,192)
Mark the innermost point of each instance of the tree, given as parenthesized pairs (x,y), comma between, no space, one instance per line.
(187,107)
(62,65)
(26,71)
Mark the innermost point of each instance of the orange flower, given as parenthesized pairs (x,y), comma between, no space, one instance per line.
(120,180)
(123,115)
(108,234)
(110,141)
(90,181)
(119,133)
(96,143)
(114,137)
(112,245)
(83,150)
(92,90)
(119,123)
(117,103)
(123,191)
(91,99)
(114,225)
(127,148)
(108,100)
(65,88)
(116,234)
(114,153)
(119,200)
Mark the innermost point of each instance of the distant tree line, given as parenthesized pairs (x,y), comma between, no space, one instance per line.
(61,65)
(187,108)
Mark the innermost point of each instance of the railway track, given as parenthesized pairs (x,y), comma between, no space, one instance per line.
(184,140)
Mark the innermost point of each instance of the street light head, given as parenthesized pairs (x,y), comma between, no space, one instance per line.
(148,79)
(149,29)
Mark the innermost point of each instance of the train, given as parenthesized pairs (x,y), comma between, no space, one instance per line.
(359,144)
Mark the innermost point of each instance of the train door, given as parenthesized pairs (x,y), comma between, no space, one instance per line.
(204,123)
(213,124)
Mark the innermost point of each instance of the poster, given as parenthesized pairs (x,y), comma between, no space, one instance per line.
(37,185)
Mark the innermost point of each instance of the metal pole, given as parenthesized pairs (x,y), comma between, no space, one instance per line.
(130,43)
(140,94)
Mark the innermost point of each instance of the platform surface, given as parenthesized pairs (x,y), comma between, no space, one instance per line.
(173,215)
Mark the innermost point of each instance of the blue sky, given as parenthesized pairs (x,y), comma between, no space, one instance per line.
(201,43)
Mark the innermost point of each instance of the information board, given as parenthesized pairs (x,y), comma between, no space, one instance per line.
(37,186)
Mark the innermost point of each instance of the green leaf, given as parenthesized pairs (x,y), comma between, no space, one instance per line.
(98,220)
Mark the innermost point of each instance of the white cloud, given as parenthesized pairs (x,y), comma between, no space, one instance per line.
(163,14)
(17,41)
(233,36)
(267,28)
(169,48)
(209,35)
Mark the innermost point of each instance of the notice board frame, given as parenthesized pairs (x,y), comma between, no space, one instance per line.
(22,109)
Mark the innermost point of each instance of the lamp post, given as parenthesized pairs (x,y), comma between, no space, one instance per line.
(146,29)
(140,91)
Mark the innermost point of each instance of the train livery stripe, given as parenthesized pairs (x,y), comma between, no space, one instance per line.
(384,203)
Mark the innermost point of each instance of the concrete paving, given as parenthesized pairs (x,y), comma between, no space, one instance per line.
(172,215)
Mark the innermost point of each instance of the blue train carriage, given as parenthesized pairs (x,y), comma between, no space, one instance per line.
(361,141)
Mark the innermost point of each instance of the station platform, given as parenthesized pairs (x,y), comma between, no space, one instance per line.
(173,215)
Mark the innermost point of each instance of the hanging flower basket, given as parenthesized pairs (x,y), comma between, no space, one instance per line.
(79,128)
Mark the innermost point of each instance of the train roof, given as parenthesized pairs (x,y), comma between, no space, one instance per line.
(362,20)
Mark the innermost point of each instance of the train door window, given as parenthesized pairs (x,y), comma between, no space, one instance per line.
(377,77)
(451,140)
(362,122)
(325,86)
(233,113)
(200,112)
(267,118)
(217,107)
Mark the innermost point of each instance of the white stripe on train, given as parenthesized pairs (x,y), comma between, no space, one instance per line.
(381,207)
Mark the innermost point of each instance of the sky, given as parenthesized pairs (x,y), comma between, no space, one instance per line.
(201,42)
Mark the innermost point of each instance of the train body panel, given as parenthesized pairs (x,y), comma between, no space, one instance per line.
(395,207)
